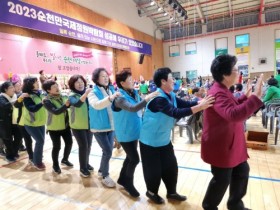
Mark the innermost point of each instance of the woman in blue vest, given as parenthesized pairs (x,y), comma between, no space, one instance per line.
(34,115)
(157,154)
(58,123)
(127,113)
(79,121)
(101,120)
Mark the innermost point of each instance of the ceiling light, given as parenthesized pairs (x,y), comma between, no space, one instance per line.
(152,3)
(165,14)
(177,23)
(160,8)
(171,18)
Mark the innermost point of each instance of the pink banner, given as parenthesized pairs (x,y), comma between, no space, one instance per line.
(23,56)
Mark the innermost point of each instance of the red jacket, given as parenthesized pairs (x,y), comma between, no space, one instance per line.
(223,140)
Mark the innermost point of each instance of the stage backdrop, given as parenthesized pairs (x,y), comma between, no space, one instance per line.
(26,56)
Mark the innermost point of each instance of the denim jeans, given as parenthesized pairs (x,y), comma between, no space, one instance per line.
(105,141)
(38,134)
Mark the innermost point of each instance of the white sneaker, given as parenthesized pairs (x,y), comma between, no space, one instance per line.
(99,174)
(108,182)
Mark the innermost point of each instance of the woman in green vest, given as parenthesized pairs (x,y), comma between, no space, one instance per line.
(79,121)
(58,123)
(34,115)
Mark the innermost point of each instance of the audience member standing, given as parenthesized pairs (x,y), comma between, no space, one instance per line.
(34,115)
(79,121)
(43,77)
(58,123)
(223,143)
(157,154)
(101,120)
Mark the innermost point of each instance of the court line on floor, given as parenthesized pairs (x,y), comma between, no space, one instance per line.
(193,169)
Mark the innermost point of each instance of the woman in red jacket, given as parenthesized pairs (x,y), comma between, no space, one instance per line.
(223,143)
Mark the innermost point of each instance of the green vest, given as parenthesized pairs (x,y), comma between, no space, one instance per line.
(15,115)
(35,119)
(78,116)
(56,122)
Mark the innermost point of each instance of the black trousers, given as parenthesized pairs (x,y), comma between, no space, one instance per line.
(159,163)
(130,162)
(237,180)
(55,137)
(84,140)
(27,140)
(12,141)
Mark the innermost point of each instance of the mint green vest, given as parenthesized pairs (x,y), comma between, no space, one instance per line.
(78,116)
(56,122)
(35,119)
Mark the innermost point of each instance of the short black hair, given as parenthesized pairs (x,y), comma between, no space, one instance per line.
(48,84)
(195,90)
(231,89)
(96,73)
(222,65)
(28,83)
(41,71)
(73,79)
(238,87)
(161,73)
(272,82)
(122,76)
(5,86)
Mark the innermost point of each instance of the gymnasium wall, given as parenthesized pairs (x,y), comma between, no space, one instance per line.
(262,45)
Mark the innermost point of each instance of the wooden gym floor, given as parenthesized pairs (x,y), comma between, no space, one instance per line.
(22,187)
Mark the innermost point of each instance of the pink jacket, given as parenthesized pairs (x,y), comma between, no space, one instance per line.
(223,140)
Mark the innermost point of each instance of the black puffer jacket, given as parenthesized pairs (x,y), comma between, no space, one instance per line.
(6,115)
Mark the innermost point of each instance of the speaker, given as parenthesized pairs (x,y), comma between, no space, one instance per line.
(141,58)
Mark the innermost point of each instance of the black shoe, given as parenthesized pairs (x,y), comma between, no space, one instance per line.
(10,160)
(84,173)
(176,197)
(56,170)
(66,163)
(132,191)
(90,168)
(129,188)
(2,153)
(154,197)
(22,148)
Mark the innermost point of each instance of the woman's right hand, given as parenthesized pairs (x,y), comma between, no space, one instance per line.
(88,90)
(258,87)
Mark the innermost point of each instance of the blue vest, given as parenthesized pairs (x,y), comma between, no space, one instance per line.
(99,119)
(157,126)
(127,124)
